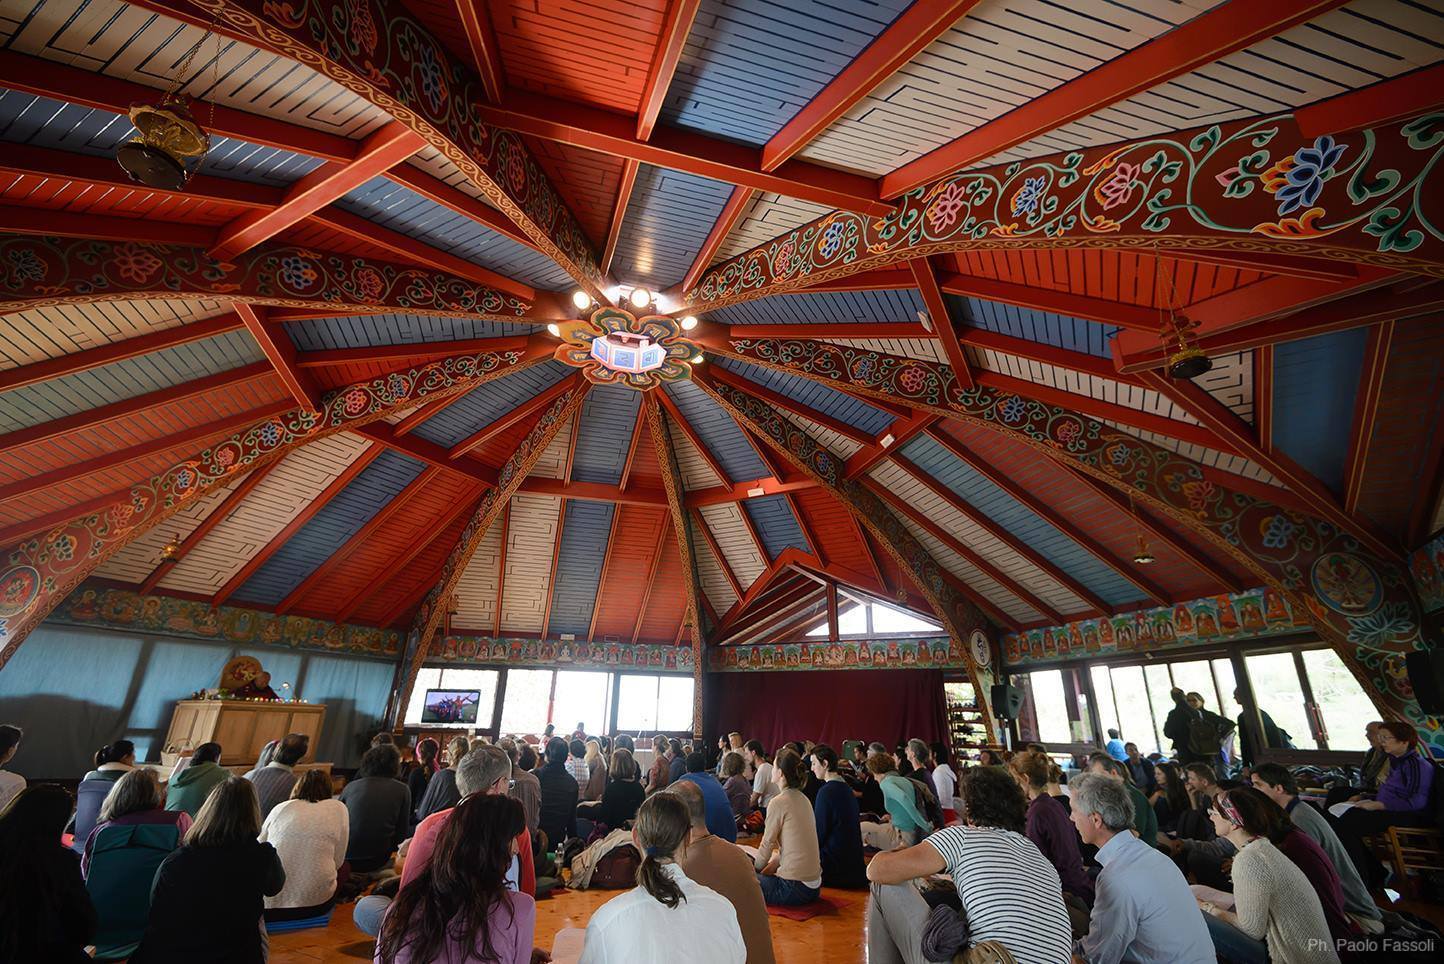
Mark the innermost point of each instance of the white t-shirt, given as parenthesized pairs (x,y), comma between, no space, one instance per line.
(764,784)
(10,786)
(311,840)
(1010,892)
(636,928)
(946,782)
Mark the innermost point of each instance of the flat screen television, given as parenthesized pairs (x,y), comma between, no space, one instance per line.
(450,707)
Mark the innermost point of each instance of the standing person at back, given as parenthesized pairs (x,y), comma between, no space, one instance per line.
(764,788)
(380,809)
(667,917)
(725,869)
(273,782)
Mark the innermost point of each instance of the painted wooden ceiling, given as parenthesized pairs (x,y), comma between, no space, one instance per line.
(649,119)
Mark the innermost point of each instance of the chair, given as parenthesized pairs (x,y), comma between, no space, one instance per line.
(1419,848)
(88,798)
(123,864)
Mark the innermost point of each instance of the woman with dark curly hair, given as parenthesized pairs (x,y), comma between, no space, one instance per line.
(1011,895)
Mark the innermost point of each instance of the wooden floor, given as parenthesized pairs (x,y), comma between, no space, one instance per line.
(836,939)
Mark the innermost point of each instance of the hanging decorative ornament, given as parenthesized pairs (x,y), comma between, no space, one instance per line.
(169,143)
(1185,359)
(1142,554)
(171,551)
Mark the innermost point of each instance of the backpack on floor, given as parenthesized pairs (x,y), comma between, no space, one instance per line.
(618,869)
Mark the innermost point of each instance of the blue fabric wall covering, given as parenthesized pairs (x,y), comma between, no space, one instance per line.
(73,690)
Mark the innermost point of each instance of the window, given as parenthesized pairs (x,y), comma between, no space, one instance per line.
(1343,705)
(852,620)
(885,619)
(1280,694)
(433,678)
(1050,707)
(674,703)
(1135,717)
(528,701)
(1107,711)
(582,696)
(648,703)
(1158,684)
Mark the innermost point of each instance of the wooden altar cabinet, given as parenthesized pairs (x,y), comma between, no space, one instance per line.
(241,727)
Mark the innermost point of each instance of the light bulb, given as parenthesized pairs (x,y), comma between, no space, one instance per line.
(641,297)
(697,358)
(689,322)
(581,299)
(555,331)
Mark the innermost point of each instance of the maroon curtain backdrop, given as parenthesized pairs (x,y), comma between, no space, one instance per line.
(827,706)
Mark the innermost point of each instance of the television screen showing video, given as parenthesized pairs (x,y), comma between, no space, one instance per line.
(450,707)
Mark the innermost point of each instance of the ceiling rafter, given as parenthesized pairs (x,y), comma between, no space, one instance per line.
(342,552)
(602,579)
(944,329)
(532,406)
(727,218)
(307,513)
(101,415)
(633,443)
(429,452)
(1366,409)
(215,517)
(711,540)
(900,431)
(281,352)
(501,568)
(652,568)
(1051,516)
(475,17)
(686,428)
(406,351)
(1388,101)
(785,403)
(1005,537)
(625,185)
(1218,419)
(673,37)
(776,468)
(1207,37)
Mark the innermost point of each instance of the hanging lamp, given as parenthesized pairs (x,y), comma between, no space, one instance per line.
(169,143)
(1185,358)
(1142,554)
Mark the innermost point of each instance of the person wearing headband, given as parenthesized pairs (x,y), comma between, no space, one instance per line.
(1276,914)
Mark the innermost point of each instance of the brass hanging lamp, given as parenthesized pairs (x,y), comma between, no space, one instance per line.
(169,142)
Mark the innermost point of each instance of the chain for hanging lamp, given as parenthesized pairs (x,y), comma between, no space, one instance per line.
(1185,358)
(169,143)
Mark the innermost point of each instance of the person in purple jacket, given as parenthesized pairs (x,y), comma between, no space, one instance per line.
(1402,800)
(1049,826)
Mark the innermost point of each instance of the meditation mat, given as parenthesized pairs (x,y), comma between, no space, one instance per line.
(818,908)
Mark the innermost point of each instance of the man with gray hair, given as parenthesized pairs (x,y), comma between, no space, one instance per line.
(486,769)
(713,862)
(1143,909)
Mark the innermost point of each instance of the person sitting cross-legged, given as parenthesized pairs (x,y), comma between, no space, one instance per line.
(903,822)
(1011,897)
(310,831)
(1143,911)
(719,810)
(379,805)
(134,799)
(788,866)
(188,788)
(725,868)
(274,780)
(839,826)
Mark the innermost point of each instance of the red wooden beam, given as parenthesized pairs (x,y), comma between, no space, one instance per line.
(741,491)
(592,491)
(516,416)
(1109,312)
(673,37)
(501,567)
(406,352)
(105,414)
(388,574)
(342,552)
(556,557)
(853,330)
(1378,105)
(1222,422)
(43,221)
(1097,408)
(410,600)
(759,587)
(357,466)
(985,522)
(1053,517)
(425,410)
(602,579)
(219,514)
(619,212)
(109,460)
(692,436)
(1263,396)
(680,150)
(832,632)
(428,452)
(28,160)
(652,576)
(1160,532)
(731,213)
(485,51)
(779,606)
(913,30)
(1201,41)
(901,432)
(778,400)
(458,202)
(932,295)
(1366,409)
(957,546)
(1036,351)
(867,549)
(281,352)
(384,149)
(636,439)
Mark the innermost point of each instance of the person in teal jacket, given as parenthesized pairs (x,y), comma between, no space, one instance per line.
(189,788)
(903,826)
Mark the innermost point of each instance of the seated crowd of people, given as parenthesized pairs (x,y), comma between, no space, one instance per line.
(1001,860)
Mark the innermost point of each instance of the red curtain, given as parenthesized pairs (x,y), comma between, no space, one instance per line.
(827,706)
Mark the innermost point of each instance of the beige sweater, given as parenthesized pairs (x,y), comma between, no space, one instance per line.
(791,828)
(1276,903)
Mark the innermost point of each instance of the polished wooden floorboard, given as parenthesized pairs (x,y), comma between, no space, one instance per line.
(835,939)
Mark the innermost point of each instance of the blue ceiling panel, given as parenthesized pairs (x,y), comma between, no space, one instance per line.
(815,395)
(750,65)
(403,210)
(825,308)
(489,401)
(1029,528)
(717,430)
(583,551)
(668,218)
(69,394)
(1315,383)
(43,122)
(328,529)
(366,331)
(778,527)
(608,417)
(1043,327)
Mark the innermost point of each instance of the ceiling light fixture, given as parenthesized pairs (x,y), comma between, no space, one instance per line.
(1185,359)
(689,322)
(581,300)
(555,331)
(697,358)
(171,551)
(169,144)
(1142,555)
(925,320)
(640,297)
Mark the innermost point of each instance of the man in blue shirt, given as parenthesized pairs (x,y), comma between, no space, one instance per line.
(1143,909)
(1115,747)
(720,822)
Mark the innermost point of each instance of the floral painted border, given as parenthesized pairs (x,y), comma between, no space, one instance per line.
(1427,566)
(560,654)
(1256,614)
(936,652)
(118,609)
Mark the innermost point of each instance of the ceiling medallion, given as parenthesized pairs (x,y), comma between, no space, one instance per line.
(615,347)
